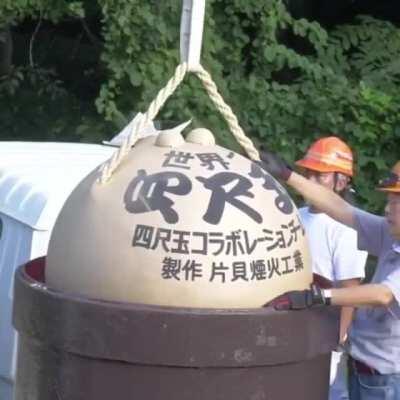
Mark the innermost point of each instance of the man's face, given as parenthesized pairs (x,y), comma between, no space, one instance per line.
(326,179)
(392,212)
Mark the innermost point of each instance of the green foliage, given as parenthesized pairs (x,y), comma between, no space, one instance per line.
(14,11)
(35,103)
(288,80)
(51,117)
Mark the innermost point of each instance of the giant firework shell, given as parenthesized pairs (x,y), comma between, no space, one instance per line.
(180,223)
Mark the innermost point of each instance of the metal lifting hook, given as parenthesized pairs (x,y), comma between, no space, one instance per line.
(192,25)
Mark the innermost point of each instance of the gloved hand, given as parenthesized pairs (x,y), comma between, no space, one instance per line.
(274,165)
(300,299)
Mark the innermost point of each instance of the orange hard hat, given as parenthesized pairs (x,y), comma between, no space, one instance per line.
(392,182)
(328,154)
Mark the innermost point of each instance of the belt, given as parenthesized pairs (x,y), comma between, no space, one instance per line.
(362,368)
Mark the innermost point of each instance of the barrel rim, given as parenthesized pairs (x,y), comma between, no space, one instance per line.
(171,336)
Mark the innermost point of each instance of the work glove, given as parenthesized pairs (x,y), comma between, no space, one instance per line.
(300,299)
(274,165)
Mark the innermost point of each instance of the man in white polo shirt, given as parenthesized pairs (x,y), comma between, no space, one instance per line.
(333,246)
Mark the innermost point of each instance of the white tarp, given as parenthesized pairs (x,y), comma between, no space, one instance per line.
(35,181)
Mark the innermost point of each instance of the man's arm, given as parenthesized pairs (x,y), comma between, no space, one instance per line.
(322,198)
(363,295)
(346,314)
(358,296)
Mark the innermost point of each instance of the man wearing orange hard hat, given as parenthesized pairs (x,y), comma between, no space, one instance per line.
(330,157)
(333,246)
(375,332)
(329,154)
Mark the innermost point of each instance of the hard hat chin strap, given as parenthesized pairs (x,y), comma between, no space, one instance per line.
(347,193)
(335,182)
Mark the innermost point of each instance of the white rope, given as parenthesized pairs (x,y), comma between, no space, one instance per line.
(112,164)
(227,113)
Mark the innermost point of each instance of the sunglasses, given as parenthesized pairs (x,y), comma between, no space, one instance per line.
(391,180)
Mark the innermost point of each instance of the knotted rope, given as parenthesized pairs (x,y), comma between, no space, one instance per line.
(112,164)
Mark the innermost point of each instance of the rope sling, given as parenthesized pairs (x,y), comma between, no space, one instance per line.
(193,11)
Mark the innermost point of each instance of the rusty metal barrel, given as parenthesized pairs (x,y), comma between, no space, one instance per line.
(74,348)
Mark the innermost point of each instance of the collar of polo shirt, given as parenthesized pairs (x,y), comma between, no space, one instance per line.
(396,246)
